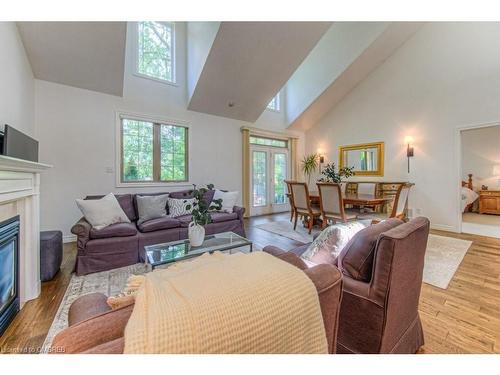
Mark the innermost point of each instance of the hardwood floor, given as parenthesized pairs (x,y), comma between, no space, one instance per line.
(465,318)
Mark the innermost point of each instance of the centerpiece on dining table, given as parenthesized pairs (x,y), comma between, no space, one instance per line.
(330,173)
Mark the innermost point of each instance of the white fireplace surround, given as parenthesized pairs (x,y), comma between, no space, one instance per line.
(20,195)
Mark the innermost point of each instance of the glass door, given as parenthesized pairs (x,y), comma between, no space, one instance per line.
(269,169)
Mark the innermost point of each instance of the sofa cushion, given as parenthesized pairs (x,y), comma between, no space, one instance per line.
(158,224)
(356,259)
(114,230)
(185,220)
(219,217)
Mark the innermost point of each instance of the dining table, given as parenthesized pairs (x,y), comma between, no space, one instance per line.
(356,199)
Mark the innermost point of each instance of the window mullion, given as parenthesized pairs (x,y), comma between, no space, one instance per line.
(157,152)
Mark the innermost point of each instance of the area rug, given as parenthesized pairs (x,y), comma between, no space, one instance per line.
(442,257)
(285,229)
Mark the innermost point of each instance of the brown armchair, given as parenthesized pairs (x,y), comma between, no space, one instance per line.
(382,268)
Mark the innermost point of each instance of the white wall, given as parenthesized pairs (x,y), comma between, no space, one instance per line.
(446,76)
(342,44)
(199,39)
(480,154)
(16,82)
(77,135)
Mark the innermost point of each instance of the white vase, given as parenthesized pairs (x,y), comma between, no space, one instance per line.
(196,234)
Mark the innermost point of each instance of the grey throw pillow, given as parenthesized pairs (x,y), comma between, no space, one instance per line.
(151,207)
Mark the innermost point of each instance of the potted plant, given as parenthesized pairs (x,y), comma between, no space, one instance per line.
(309,165)
(331,175)
(201,214)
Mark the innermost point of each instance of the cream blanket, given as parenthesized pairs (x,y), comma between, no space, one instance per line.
(240,303)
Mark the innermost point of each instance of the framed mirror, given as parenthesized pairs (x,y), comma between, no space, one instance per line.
(367,158)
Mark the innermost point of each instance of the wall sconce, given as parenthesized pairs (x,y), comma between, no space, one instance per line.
(409,149)
(321,162)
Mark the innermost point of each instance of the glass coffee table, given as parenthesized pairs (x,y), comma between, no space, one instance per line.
(170,252)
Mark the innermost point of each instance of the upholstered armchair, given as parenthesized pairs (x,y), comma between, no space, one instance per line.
(382,268)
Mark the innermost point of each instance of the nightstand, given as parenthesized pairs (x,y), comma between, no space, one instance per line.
(489,202)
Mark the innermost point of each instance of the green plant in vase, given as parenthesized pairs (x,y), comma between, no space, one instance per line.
(201,213)
(330,173)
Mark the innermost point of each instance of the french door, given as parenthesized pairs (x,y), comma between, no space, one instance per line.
(269,168)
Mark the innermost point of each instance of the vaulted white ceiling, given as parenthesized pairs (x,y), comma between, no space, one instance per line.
(248,63)
(345,56)
(88,55)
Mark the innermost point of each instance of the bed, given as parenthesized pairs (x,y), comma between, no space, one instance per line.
(469,196)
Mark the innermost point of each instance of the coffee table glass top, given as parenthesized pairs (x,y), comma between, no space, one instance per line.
(179,250)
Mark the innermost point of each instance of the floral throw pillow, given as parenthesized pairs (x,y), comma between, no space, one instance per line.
(328,245)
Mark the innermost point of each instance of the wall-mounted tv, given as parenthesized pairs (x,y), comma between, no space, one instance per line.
(19,145)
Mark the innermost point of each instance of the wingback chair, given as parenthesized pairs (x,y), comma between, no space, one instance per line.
(382,267)
(302,204)
(331,204)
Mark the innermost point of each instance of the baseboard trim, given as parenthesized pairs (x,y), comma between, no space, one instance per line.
(69,238)
(446,228)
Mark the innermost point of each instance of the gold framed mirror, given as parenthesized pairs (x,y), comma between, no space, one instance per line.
(366,158)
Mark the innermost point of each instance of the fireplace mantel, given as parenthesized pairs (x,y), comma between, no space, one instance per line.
(20,195)
(18,165)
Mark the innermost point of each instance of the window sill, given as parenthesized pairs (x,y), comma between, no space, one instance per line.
(144,76)
(153,184)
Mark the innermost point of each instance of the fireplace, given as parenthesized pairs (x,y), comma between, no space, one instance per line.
(9,271)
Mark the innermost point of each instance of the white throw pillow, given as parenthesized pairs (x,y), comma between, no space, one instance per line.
(102,212)
(229,199)
(177,207)
(332,240)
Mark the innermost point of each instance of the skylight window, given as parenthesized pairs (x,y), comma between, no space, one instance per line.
(274,104)
(156,50)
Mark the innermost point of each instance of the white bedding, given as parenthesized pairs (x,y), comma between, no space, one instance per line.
(468,197)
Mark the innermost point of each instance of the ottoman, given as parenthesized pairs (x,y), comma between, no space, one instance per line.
(51,250)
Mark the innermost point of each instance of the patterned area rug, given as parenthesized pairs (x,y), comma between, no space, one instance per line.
(442,257)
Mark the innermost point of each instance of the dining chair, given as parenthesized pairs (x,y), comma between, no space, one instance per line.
(290,200)
(398,208)
(302,204)
(367,188)
(332,204)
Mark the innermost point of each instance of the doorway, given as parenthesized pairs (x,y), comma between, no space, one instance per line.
(480,185)
(269,168)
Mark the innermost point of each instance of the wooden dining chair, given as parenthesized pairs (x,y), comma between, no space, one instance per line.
(398,208)
(367,188)
(332,204)
(302,204)
(290,199)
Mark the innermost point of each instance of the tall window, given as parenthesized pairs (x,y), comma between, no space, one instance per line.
(275,103)
(153,151)
(156,51)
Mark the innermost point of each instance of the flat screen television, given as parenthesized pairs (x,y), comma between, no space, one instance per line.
(18,145)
